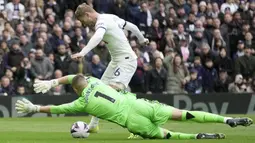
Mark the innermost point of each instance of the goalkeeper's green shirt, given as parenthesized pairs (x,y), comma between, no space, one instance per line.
(101,101)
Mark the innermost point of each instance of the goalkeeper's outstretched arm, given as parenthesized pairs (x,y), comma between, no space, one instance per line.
(25,106)
(44,86)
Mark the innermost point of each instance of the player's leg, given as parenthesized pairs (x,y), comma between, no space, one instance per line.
(205,117)
(161,133)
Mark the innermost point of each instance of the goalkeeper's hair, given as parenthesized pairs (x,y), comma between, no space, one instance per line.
(79,82)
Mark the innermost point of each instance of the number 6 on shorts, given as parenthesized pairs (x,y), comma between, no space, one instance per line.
(117,72)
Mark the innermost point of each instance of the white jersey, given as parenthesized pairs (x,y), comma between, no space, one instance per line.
(114,37)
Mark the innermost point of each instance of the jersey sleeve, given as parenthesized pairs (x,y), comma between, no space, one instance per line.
(76,106)
(70,78)
(121,22)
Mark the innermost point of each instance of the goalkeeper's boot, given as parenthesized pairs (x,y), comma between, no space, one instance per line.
(210,136)
(133,136)
(239,122)
(93,129)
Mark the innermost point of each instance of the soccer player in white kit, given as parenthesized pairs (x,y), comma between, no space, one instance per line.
(109,28)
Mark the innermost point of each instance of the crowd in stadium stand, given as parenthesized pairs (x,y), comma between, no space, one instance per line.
(196,46)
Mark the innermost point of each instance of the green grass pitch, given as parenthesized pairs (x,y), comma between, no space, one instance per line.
(56,130)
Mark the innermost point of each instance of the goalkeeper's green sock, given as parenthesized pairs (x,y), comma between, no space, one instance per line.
(181,136)
(203,117)
(177,135)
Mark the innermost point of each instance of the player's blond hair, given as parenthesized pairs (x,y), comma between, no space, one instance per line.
(82,9)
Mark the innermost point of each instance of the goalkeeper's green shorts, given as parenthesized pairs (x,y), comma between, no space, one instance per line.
(145,117)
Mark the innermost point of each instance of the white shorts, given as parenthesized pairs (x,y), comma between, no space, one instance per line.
(120,72)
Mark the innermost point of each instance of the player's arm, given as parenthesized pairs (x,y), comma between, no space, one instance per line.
(94,40)
(25,106)
(134,29)
(44,86)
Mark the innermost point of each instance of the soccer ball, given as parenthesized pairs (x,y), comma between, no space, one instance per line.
(80,130)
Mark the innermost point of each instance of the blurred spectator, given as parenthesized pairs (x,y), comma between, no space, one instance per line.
(154,53)
(245,65)
(21,90)
(224,62)
(186,52)
(57,38)
(6,88)
(190,24)
(103,53)
(33,14)
(133,11)
(178,74)
(29,30)
(217,42)
(215,10)
(15,11)
(44,43)
(155,33)
(209,75)
(237,86)
(50,20)
(195,84)
(168,41)
(41,66)
(145,18)
(221,84)
(79,66)
(206,53)
(137,82)
(198,67)
(26,46)
(60,89)
(9,74)
(13,58)
(197,42)
(156,78)
(181,34)
(76,39)
(120,9)
(67,29)
(62,60)
(249,42)
(54,5)
(229,4)
(102,6)
(181,15)
(161,16)
(96,67)
(35,4)
(240,50)
(4,47)
(25,76)
(20,30)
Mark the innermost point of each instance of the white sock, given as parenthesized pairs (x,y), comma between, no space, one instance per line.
(226,119)
(93,122)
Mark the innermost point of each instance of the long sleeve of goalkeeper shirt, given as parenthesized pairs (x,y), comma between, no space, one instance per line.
(76,106)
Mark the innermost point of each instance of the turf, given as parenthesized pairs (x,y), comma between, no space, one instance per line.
(56,130)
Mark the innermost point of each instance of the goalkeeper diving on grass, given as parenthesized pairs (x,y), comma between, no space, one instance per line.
(139,116)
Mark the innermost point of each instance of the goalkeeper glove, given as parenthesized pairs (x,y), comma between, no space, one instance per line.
(25,106)
(44,86)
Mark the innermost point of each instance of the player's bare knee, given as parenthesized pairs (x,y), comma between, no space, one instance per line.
(177,114)
(182,115)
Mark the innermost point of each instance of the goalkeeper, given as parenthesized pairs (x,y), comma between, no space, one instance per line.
(139,116)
